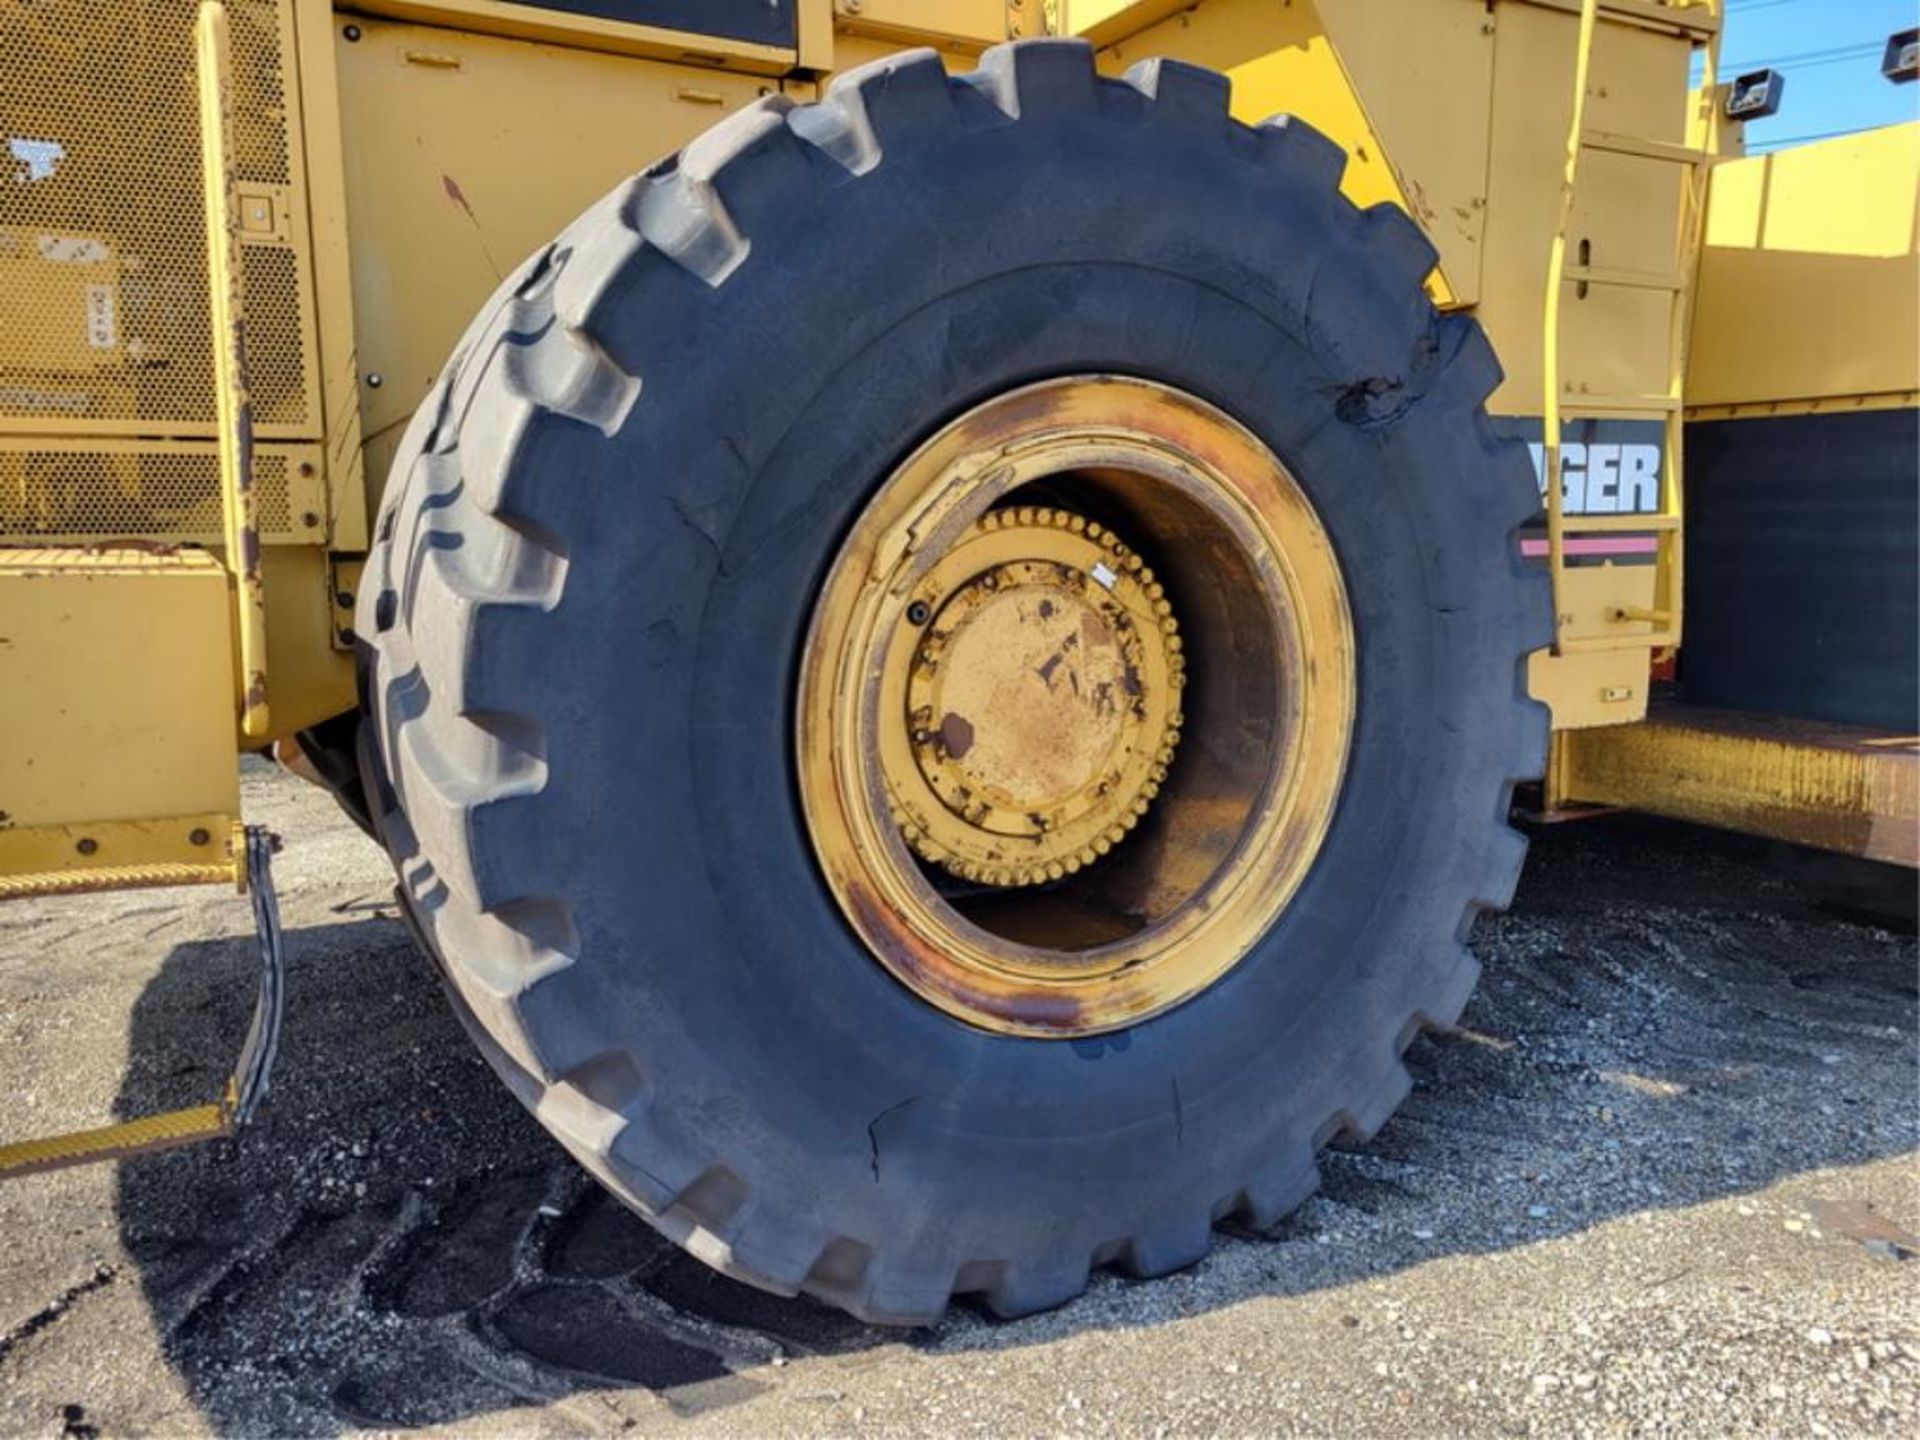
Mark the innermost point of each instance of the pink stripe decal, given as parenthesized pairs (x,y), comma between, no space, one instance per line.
(1600,545)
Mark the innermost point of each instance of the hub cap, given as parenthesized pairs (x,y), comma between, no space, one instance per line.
(1041,699)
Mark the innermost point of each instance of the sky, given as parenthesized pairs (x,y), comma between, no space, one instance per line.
(1829,51)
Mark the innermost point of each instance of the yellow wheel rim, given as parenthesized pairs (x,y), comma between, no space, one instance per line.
(1076,706)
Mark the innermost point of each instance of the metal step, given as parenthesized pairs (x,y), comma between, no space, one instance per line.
(1617,524)
(1624,279)
(113,877)
(1644,148)
(1597,405)
(1603,644)
(245,1089)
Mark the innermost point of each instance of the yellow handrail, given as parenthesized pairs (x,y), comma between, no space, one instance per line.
(213,48)
(1550,355)
(1671,592)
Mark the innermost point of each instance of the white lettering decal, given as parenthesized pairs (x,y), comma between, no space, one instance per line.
(1639,479)
(50,402)
(1602,478)
(1573,477)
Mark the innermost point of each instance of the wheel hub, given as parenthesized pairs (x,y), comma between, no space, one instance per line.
(1042,700)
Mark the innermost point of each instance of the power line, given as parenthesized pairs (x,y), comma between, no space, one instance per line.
(1770,144)
(1831,55)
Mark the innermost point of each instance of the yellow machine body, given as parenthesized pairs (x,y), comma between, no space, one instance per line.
(1825,233)
(386,163)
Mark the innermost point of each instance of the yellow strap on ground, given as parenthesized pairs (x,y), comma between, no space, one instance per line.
(135,1137)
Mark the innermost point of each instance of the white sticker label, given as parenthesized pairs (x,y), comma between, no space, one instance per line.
(38,158)
(73,250)
(47,402)
(102,332)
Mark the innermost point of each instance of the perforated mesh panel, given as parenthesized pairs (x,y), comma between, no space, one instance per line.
(279,380)
(103,283)
(70,494)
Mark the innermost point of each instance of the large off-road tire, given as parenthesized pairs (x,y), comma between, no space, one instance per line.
(585,616)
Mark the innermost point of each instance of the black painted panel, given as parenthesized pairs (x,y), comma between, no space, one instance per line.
(1803,567)
(764,22)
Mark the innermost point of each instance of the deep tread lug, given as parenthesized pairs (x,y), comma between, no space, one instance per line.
(1176,87)
(868,104)
(1292,144)
(1397,237)
(1031,1289)
(1278,1191)
(1037,79)
(1168,1247)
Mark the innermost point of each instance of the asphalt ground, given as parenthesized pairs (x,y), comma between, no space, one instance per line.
(1661,1182)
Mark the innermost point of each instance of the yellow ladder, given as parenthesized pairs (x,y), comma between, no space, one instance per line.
(1559,403)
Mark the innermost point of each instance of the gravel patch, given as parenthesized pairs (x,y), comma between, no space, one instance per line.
(1662,1180)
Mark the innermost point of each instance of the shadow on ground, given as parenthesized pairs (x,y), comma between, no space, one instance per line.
(1666,1017)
